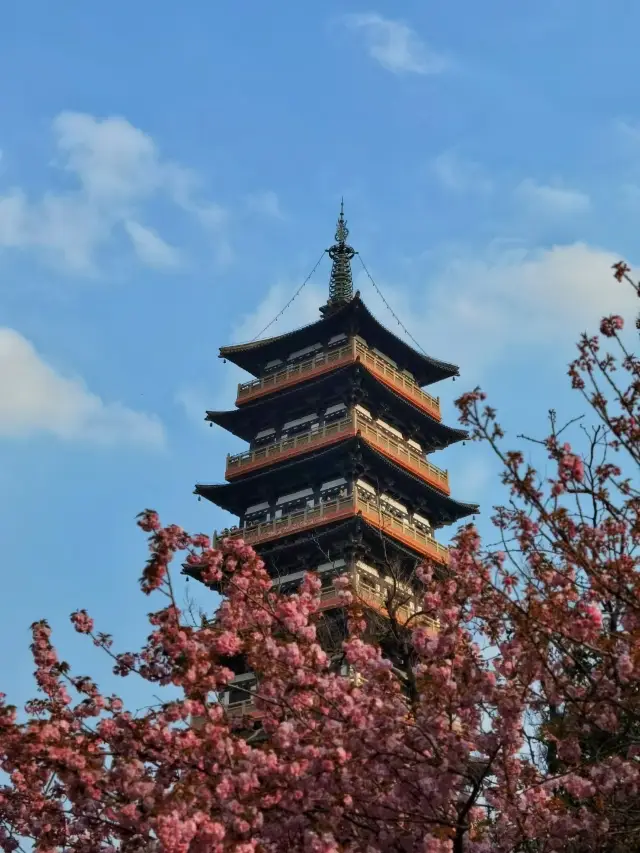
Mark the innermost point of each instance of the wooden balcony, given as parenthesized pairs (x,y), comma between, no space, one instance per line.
(341,508)
(244,463)
(246,708)
(294,373)
(401,452)
(354,351)
(377,600)
(396,380)
(394,448)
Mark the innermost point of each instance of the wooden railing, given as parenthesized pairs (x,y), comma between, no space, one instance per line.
(329,360)
(294,373)
(244,462)
(393,447)
(397,380)
(308,517)
(402,452)
(374,513)
(325,513)
(245,708)
(403,612)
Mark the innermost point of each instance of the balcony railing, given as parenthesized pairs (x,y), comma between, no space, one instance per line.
(392,377)
(393,447)
(246,708)
(286,447)
(375,514)
(314,516)
(377,599)
(325,513)
(294,373)
(402,452)
(329,360)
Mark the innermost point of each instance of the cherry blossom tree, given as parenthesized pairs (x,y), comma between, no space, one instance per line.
(512,727)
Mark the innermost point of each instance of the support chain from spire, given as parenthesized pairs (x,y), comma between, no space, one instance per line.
(341,254)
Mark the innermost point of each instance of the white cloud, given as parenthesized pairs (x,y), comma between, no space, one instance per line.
(479,311)
(551,200)
(396,46)
(35,399)
(460,175)
(117,170)
(266,203)
(151,248)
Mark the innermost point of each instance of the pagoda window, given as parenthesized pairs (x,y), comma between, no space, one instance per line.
(421,522)
(256,514)
(241,688)
(327,580)
(367,576)
(364,412)
(385,357)
(395,508)
(366,491)
(265,436)
(324,569)
(388,428)
(333,489)
(270,366)
(337,340)
(367,582)
(300,354)
(299,424)
(335,412)
(295,500)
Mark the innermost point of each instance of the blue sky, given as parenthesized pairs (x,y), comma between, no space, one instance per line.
(170,173)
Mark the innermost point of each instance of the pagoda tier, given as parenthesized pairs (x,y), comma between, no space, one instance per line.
(352,538)
(349,384)
(349,319)
(347,460)
(326,359)
(348,423)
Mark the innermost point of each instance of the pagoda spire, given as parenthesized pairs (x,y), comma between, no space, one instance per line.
(341,253)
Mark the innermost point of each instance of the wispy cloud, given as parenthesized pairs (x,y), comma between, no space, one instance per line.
(396,46)
(460,175)
(151,248)
(480,309)
(551,200)
(117,170)
(507,302)
(35,399)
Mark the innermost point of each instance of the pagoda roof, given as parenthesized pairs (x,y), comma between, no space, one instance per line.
(352,317)
(248,419)
(328,463)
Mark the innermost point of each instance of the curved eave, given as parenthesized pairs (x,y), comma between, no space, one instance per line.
(245,421)
(253,355)
(285,477)
(448,506)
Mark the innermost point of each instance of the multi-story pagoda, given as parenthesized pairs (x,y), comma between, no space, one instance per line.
(336,477)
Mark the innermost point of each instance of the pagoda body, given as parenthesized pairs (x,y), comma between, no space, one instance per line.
(336,478)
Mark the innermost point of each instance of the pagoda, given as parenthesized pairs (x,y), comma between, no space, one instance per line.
(336,478)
